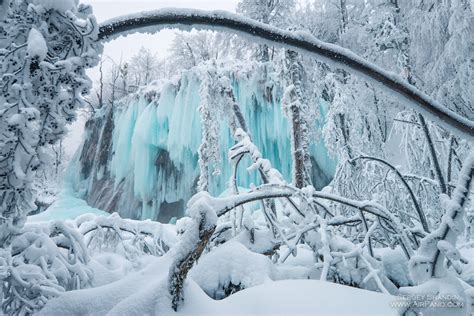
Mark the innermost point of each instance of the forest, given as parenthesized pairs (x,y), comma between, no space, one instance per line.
(294,157)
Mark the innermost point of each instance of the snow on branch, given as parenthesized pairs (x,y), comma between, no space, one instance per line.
(201,209)
(46,47)
(440,244)
(246,146)
(154,21)
(421,214)
(136,237)
(42,66)
(42,263)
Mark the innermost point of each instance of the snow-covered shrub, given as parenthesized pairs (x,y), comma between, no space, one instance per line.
(438,263)
(358,257)
(300,217)
(41,263)
(130,238)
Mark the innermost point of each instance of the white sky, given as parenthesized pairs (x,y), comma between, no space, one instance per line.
(126,47)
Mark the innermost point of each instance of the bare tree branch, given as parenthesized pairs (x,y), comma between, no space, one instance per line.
(421,214)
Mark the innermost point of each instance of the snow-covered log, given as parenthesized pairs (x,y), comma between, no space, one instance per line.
(154,21)
(201,209)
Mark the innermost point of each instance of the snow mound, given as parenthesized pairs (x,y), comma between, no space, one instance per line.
(395,265)
(102,300)
(231,267)
(145,293)
(291,297)
(108,268)
(37,45)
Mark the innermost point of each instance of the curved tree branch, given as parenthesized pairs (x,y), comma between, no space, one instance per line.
(154,21)
(419,211)
(447,231)
(272,191)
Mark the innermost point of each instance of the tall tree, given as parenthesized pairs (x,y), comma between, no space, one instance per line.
(143,67)
(272,12)
(297,111)
(43,83)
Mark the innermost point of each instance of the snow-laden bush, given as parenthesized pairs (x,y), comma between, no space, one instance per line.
(47,259)
(302,216)
(129,238)
(296,219)
(438,264)
(41,263)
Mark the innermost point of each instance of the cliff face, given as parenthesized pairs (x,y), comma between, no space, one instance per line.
(140,157)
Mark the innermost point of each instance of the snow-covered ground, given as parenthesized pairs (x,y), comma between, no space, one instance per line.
(139,287)
(291,297)
(145,293)
(66,206)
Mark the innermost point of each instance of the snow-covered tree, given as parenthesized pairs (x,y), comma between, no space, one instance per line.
(43,81)
(209,155)
(272,12)
(298,113)
(195,48)
(46,47)
(144,67)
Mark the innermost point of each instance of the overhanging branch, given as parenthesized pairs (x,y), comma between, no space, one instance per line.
(154,21)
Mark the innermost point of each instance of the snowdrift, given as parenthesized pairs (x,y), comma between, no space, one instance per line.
(145,293)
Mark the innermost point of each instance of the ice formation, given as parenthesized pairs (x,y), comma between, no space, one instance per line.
(141,157)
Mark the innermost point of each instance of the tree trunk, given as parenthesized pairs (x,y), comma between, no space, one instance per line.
(344,16)
(179,271)
(434,158)
(299,130)
(298,153)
